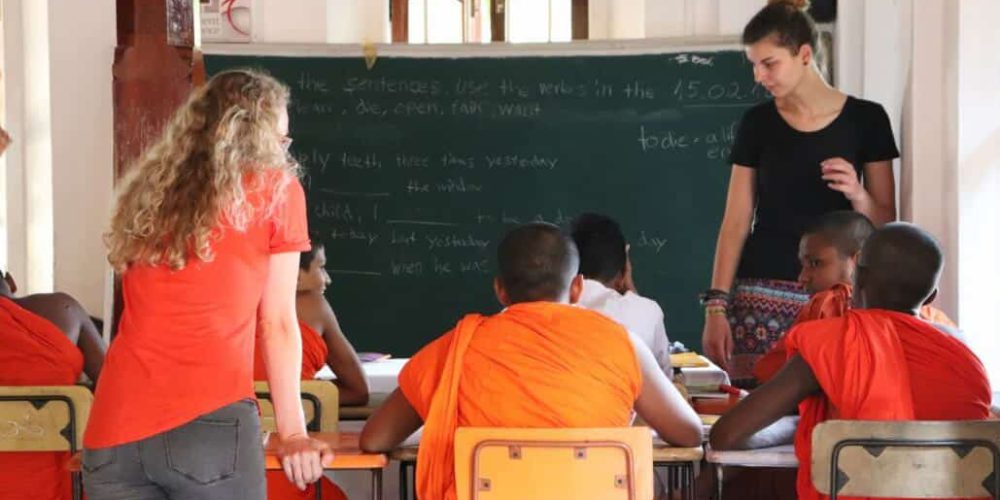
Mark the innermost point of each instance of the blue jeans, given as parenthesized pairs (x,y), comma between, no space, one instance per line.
(219,455)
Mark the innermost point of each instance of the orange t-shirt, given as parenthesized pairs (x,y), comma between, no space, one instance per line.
(186,339)
(34,352)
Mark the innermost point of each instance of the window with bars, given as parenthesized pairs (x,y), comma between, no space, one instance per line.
(485,21)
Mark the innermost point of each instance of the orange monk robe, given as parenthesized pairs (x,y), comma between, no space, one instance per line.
(314,353)
(537,364)
(883,365)
(33,351)
(832,303)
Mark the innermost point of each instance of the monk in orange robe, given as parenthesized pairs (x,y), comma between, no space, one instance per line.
(828,252)
(46,339)
(323,343)
(541,362)
(876,362)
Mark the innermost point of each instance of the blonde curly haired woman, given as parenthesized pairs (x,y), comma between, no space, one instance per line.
(206,231)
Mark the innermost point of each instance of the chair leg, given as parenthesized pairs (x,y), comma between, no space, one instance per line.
(689,481)
(77,480)
(376,484)
(718,482)
(403,490)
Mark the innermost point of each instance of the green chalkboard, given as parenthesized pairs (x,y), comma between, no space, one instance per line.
(417,166)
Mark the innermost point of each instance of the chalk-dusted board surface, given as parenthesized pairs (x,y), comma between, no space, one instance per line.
(416,167)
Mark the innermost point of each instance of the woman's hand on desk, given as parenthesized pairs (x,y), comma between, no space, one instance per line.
(302,458)
(717,340)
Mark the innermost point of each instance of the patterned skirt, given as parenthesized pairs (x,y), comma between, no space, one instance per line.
(760,312)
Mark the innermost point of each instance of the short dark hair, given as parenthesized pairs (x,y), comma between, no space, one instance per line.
(901,263)
(846,230)
(306,258)
(601,244)
(787,21)
(536,262)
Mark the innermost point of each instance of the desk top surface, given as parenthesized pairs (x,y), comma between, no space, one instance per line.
(347,452)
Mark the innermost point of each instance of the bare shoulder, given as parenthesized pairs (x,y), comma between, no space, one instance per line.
(313,308)
(48,304)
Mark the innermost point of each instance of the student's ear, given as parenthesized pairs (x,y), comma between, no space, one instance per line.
(10,282)
(806,52)
(853,262)
(500,292)
(930,298)
(575,289)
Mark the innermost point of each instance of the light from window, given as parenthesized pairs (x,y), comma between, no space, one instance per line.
(527,21)
(435,21)
(539,21)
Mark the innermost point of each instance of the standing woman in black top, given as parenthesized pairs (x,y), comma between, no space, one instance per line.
(810,150)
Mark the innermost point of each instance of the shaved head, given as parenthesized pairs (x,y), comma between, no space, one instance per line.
(898,269)
(537,262)
(845,230)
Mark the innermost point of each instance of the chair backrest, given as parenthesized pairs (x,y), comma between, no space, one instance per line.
(43,418)
(525,464)
(914,459)
(320,404)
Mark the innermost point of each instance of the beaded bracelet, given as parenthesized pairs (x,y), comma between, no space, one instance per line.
(713,295)
(715,311)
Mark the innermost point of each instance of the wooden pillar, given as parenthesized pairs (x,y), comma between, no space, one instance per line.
(399,18)
(156,66)
(580,11)
(498,21)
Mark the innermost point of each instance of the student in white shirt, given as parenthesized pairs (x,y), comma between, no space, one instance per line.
(608,287)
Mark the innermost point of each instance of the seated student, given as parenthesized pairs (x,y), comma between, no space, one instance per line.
(828,252)
(322,343)
(608,287)
(45,339)
(541,362)
(877,362)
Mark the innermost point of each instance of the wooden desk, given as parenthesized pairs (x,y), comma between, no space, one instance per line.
(375,400)
(777,456)
(347,455)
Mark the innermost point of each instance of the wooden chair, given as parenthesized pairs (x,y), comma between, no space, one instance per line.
(45,418)
(525,464)
(320,401)
(907,459)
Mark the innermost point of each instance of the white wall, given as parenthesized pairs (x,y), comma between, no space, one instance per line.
(320,21)
(978,172)
(28,163)
(58,171)
(82,137)
(622,19)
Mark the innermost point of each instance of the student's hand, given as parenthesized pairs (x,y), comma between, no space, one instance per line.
(840,175)
(717,340)
(302,458)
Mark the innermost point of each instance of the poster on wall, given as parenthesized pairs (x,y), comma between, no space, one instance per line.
(226,21)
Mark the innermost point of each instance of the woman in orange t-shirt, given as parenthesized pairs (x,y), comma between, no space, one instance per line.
(206,232)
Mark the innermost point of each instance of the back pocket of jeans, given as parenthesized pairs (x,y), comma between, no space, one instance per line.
(204,450)
(96,459)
